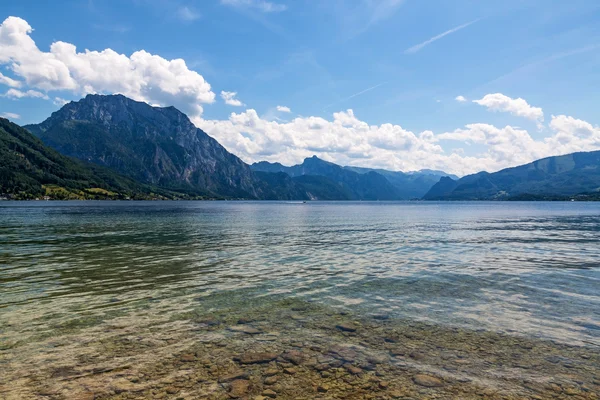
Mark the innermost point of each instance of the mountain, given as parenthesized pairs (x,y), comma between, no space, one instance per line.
(548,178)
(29,169)
(368,184)
(154,145)
(265,166)
(434,172)
(281,186)
(409,185)
(352,185)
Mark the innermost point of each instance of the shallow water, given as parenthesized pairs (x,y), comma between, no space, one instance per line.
(81,281)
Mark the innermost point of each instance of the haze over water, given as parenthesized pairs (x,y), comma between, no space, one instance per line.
(529,270)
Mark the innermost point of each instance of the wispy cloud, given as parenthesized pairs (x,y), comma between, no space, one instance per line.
(529,68)
(229,98)
(358,16)
(10,115)
(258,10)
(186,14)
(112,28)
(354,95)
(5,80)
(260,5)
(414,49)
(18,94)
(382,9)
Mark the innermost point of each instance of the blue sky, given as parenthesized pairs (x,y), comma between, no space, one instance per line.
(398,65)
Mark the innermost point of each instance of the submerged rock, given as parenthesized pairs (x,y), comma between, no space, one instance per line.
(353,369)
(346,327)
(233,376)
(239,388)
(187,358)
(294,356)
(250,330)
(323,388)
(84,396)
(257,358)
(427,381)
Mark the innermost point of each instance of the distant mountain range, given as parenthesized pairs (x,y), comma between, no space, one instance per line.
(161,147)
(360,183)
(549,178)
(115,147)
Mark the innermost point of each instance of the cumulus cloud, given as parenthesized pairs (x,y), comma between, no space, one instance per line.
(10,115)
(141,76)
(505,146)
(18,94)
(342,138)
(5,80)
(573,134)
(260,5)
(59,101)
(229,98)
(347,140)
(518,107)
(510,146)
(460,99)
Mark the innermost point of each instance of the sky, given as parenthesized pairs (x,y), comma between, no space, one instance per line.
(460,86)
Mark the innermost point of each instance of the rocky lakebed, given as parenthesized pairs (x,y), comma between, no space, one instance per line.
(287,349)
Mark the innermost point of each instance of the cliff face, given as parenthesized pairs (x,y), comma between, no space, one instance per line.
(155,145)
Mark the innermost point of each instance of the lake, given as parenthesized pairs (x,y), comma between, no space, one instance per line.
(318,300)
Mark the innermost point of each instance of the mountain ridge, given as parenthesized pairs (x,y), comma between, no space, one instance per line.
(29,169)
(160,148)
(402,185)
(155,145)
(550,177)
(369,186)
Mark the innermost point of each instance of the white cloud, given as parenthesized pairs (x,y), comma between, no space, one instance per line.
(518,107)
(10,115)
(17,94)
(347,140)
(506,146)
(141,76)
(59,101)
(343,139)
(230,99)
(260,5)
(573,134)
(510,146)
(5,80)
(460,99)
(414,49)
(187,14)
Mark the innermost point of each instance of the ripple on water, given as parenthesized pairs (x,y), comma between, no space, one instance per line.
(74,273)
